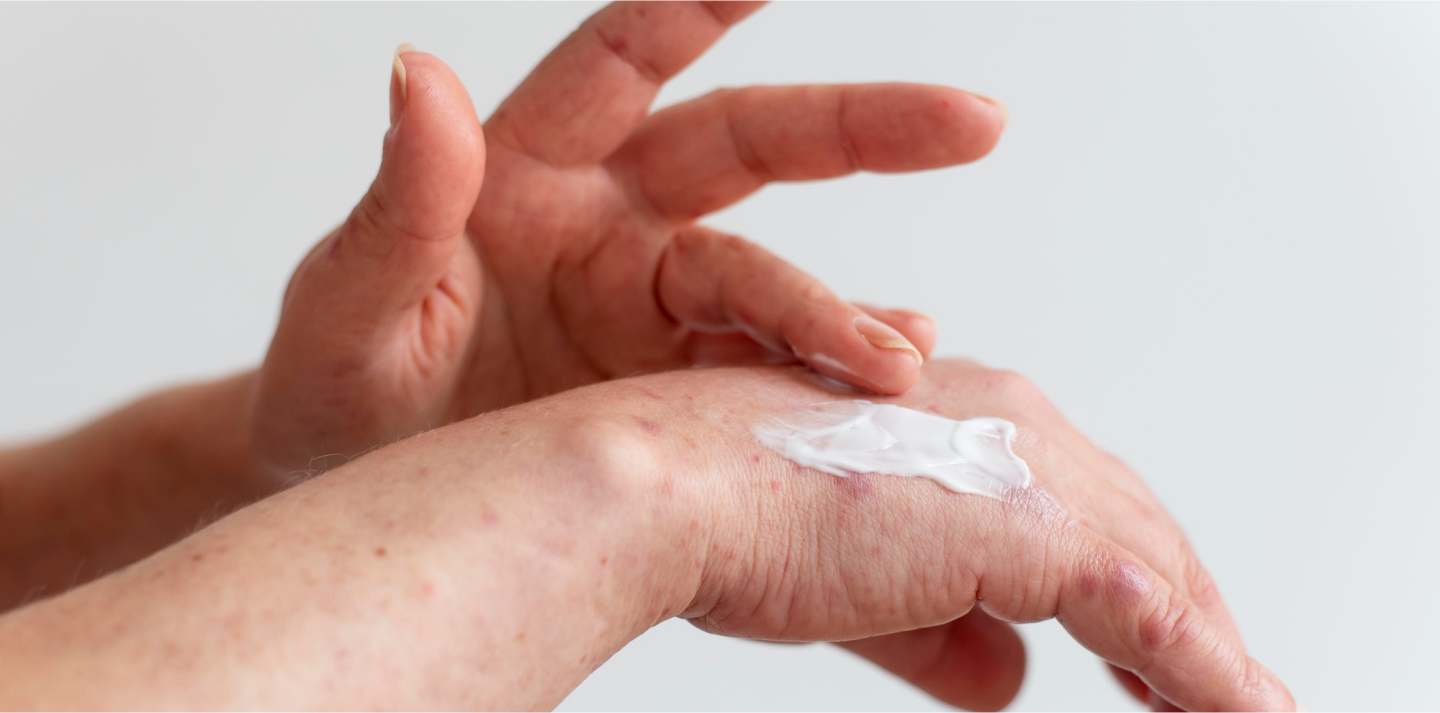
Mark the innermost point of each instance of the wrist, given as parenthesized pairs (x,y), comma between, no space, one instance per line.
(632,504)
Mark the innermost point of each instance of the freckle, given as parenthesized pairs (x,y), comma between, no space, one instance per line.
(520,636)
(380,552)
(197,558)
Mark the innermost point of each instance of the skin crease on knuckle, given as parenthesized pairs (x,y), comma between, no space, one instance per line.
(1053,537)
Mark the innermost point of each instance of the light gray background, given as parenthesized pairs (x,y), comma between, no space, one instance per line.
(1209,233)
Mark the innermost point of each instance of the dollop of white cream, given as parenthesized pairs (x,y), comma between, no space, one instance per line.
(847,437)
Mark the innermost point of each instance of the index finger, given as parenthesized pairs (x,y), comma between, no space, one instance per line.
(1131,616)
(585,97)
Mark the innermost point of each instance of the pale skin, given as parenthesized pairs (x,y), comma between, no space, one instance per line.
(435,573)
(552,248)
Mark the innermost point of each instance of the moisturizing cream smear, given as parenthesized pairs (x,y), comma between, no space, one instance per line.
(846,437)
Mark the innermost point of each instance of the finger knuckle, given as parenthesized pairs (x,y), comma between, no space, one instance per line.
(1012,387)
(1169,623)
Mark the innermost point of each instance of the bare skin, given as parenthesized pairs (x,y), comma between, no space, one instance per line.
(435,573)
(580,260)
(579,257)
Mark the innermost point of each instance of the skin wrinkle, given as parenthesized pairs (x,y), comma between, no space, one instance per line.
(802,572)
(847,146)
(744,154)
(532,222)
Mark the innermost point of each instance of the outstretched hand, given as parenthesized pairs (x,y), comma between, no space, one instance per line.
(888,565)
(581,258)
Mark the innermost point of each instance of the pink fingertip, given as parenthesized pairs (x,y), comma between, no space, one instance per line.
(883,336)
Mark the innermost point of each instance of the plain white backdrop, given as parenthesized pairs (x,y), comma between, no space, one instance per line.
(1210,233)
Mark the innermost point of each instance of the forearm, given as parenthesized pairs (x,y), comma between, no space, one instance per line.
(494,563)
(138,479)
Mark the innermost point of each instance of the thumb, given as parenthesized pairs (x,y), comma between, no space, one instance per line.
(398,243)
(329,383)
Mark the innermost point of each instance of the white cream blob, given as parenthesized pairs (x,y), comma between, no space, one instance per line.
(846,437)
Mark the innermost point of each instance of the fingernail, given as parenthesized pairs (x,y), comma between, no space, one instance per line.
(913,314)
(1004,110)
(400,68)
(884,337)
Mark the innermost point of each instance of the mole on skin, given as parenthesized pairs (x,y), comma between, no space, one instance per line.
(842,438)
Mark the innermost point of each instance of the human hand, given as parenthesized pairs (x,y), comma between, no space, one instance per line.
(582,259)
(889,565)
(494,563)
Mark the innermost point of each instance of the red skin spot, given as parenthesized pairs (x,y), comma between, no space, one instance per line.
(1125,582)
(945,103)
(642,12)
(381,552)
(755,458)
(1129,584)
(775,485)
(604,561)
(653,395)
(859,486)
(489,516)
(650,426)
(875,550)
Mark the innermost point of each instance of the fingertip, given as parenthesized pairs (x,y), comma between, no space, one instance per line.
(1002,106)
(435,152)
(968,125)
(917,327)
